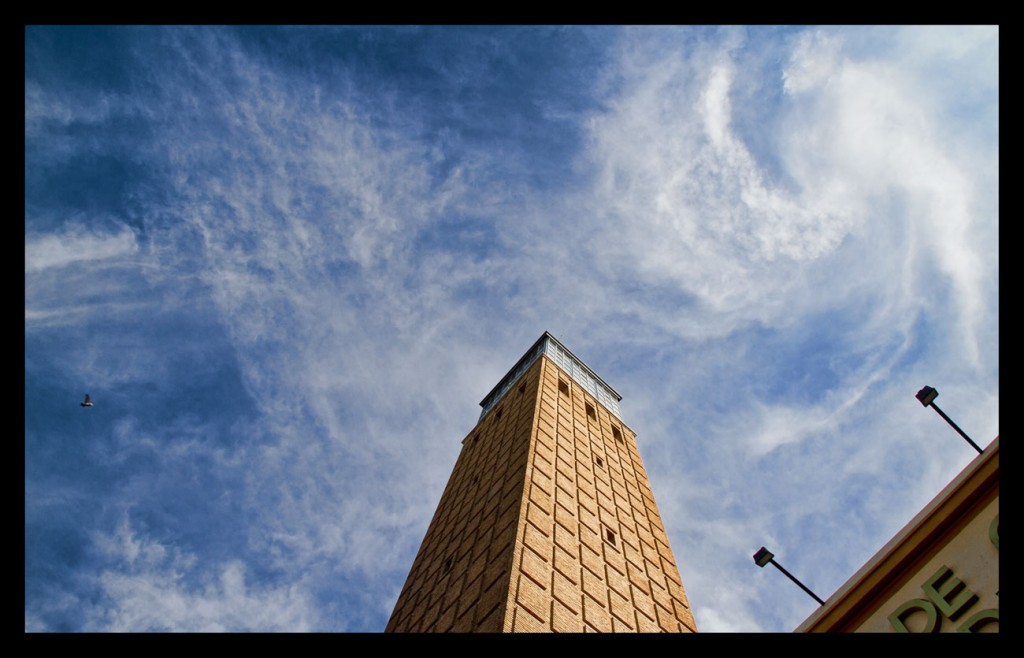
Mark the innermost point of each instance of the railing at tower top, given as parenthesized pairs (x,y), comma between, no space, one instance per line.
(567,361)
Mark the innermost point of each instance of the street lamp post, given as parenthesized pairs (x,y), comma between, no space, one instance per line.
(763,556)
(927,397)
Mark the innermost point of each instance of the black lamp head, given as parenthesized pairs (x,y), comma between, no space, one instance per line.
(926,395)
(763,556)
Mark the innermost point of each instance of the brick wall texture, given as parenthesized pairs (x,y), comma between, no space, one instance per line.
(548,524)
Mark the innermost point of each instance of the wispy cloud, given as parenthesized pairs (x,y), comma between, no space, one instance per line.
(75,245)
(155,588)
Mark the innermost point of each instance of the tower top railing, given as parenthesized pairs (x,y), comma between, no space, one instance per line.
(573,366)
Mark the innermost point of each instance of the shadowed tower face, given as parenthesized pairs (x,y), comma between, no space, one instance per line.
(548,522)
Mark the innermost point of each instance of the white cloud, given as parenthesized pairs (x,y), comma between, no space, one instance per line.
(307,248)
(75,245)
(683,202)
(42,107)
(814,59)
(154,587)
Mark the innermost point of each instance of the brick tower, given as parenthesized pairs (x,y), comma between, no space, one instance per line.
(548,522)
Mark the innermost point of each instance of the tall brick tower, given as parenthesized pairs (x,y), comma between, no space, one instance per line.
(548,522)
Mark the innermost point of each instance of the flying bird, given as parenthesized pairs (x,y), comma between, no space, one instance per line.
(87,402)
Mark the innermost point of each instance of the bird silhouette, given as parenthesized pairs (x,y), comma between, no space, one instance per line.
(87,402)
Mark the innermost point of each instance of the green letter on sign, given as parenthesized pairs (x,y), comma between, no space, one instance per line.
(948,592)
(979,620)
(898,618)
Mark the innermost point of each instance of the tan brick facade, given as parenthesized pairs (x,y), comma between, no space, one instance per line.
(547,524)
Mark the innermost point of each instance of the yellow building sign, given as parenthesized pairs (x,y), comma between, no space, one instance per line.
(939,574)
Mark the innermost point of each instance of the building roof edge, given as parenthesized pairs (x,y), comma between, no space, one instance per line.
(547,335)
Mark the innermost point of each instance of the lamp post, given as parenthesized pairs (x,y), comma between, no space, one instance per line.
(763,556)
(927,396)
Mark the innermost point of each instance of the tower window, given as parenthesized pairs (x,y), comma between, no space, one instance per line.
(599,461)
(563,388)
(609,536)
(497,415)
(448,565)
(522,388)
(590,411)
(617,434)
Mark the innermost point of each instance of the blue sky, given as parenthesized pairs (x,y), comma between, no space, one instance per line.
(288,262)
